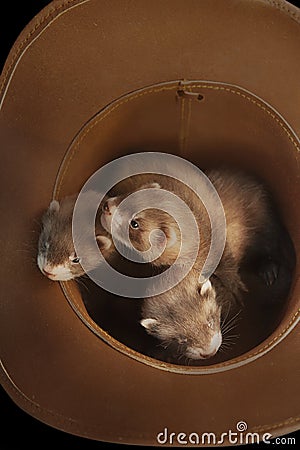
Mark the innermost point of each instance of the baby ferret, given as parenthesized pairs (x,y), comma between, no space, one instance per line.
(56,258)
(186,319)
(247,207)
(163,229)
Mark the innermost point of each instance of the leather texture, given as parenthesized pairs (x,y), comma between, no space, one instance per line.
(86,82)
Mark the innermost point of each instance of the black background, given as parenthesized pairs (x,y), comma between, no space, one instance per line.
(18,428)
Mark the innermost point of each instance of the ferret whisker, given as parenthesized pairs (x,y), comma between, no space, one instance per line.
(226,330)
(81,283)
(231,337)
(223,320)
(230,342)
(227,344)
(24,250)
(180,358)
(164,344)
(223,349)
(237,313)
(232,322)
(187,361)
(234,317)
(226,350)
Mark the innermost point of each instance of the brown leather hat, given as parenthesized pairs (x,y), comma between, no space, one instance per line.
(86,82)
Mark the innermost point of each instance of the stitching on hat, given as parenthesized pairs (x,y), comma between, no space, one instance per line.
(20,394)
(185,117)
(192,370)
(187,121)
(102,117)
(68,288)
(182,130)
(293,14)
(255,102)
(284,7)
(157,90)
(72,422)
(29,35)
(277,425)
(250,430)
(276,338)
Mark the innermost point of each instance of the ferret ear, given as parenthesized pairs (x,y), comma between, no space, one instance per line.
(104,242)
(54,206)
(153,185)
(205,287)
(149,324)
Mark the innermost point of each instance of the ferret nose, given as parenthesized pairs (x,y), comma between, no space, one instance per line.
(213,347)
(47,271)
(198,353)
(209,350)
(48,274)
(209,355)
(109,207)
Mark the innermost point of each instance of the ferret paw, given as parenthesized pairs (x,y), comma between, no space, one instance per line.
(269,273)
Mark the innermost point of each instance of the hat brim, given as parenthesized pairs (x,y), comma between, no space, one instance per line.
(70,62)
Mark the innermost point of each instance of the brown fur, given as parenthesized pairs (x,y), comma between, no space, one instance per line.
(152,219)
(183,318)
(246,205)
(247,208)
(179,316)
(55,247)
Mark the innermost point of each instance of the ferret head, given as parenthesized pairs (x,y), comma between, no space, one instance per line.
(150,230)
(186,320)
(56,258)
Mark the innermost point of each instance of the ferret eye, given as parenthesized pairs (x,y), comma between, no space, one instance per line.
(76,260)
(134,224)
(210,323)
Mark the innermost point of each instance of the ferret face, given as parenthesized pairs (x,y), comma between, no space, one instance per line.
(148,229)
(185,321)
(56,255)
(56,258)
